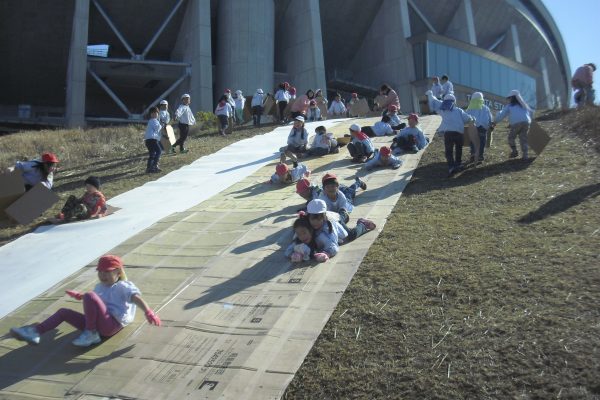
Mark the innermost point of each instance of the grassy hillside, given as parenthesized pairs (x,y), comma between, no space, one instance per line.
(484,286)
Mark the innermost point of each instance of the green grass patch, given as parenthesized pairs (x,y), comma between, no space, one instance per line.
(484,286)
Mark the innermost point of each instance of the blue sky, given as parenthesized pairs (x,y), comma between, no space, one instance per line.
(579,24)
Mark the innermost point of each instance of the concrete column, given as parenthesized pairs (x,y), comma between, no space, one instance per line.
(246,46)
(301,45)
(548,96)
(462,25)
(194,46)
(391,56)
(514,38)
(77,67)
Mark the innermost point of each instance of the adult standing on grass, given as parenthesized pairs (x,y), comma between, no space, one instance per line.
(185,117)
(582,82)
(391,98)
(38,170)
(453,127)
(519,120)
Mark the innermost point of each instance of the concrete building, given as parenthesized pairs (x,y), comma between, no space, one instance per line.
(161,49)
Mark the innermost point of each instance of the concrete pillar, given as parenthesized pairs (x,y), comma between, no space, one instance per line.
(77,66)
(300,49)
(390,56)
(462,25)
(194,46)
(514,39)
(548,96)
(246,46)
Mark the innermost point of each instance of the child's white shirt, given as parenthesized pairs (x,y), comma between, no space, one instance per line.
(117,299)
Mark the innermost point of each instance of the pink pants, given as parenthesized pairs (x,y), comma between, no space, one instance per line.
(95,317)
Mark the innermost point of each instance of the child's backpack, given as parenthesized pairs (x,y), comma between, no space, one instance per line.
(406,143)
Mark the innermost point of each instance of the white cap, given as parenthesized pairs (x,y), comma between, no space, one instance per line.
(299,118)
(259,91)
(184,96)
(477,96)
(316,206)
(514,92)
(450,97)
(164,102)
(355,128)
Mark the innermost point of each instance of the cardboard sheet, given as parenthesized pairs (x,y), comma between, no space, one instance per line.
(360,108)
(268,105)
(378,100)
(538,138)
(168,137)
(323,108)
(32,204)
(471,136)
(238,317)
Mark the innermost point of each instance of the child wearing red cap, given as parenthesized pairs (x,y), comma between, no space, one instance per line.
(38,170)
(91,205)
(223,111)
(106,309)
(303,245)
(323,143)
(335,199)
(330,233)
(283,174)
(360,147)
(384,158)
(308,191)
(410,139)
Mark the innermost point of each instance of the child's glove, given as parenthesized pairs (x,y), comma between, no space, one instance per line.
(321,257)
(152,318)
(74,294)
(296,257)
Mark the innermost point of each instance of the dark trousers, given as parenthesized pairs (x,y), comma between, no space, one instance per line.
(184,129)
(282,105)
(154,152)
(74,208)
(295,114)
(453,140)
(358,150)
(224,122)
(256,114)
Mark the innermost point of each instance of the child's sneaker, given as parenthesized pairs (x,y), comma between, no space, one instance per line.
(87,338)
(513,154)
(173,151)
(370,225)
(183,151)
(26,333)
(360,183)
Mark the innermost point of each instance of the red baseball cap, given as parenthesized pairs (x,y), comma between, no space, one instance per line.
(385,151)
(302,185)
(49,158)
(109,262)
(413,116)
(281,169)
(329,176)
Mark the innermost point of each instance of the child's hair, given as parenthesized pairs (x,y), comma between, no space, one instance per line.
(514,101)
(153,110)
(303,222)
(320,129)
(386,118)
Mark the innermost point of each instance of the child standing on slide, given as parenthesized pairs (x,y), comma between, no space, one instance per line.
(106,310)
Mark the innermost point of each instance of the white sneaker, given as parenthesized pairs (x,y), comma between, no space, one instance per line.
(26,333)
(87,338)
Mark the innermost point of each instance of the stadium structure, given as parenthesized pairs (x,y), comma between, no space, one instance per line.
(74,62)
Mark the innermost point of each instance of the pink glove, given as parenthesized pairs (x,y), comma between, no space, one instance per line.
(74,294)
(321,257)
(152,318)
(297,257)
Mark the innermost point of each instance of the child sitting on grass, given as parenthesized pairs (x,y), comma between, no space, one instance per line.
(410,139)
(323,143)
(384,158)
(330,233)
(303,246)
(106,310)
(91,205)
(283,174)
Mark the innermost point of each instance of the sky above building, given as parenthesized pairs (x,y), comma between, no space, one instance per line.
(580,29)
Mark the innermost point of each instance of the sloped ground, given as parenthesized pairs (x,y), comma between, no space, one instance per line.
(485,286)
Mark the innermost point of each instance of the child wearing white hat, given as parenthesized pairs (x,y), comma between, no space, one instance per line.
(519,120)
(360,147)
(257,106)
(185,117)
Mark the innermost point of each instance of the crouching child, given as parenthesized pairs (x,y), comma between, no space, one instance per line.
(91,205)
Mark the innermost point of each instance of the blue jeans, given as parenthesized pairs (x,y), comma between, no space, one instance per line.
(154,152)
(482,137)
(349,191)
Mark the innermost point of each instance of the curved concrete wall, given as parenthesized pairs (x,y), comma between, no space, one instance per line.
(246,41)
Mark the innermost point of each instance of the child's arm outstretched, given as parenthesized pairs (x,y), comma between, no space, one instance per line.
(150,315)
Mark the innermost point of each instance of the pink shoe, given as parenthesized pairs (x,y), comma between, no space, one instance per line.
(370,225)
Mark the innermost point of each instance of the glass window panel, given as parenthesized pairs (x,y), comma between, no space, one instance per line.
(475,71)
(452,67)
(442,60)
(465,68)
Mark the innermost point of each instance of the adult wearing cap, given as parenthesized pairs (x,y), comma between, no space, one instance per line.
(302,103)
(453,128)
(519,119)
(297,139)
(185,117)
(483,120)
(360,147)
(391,98)
(37,171)
(257,106)
(91,205)
(282,97)
(106,310)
